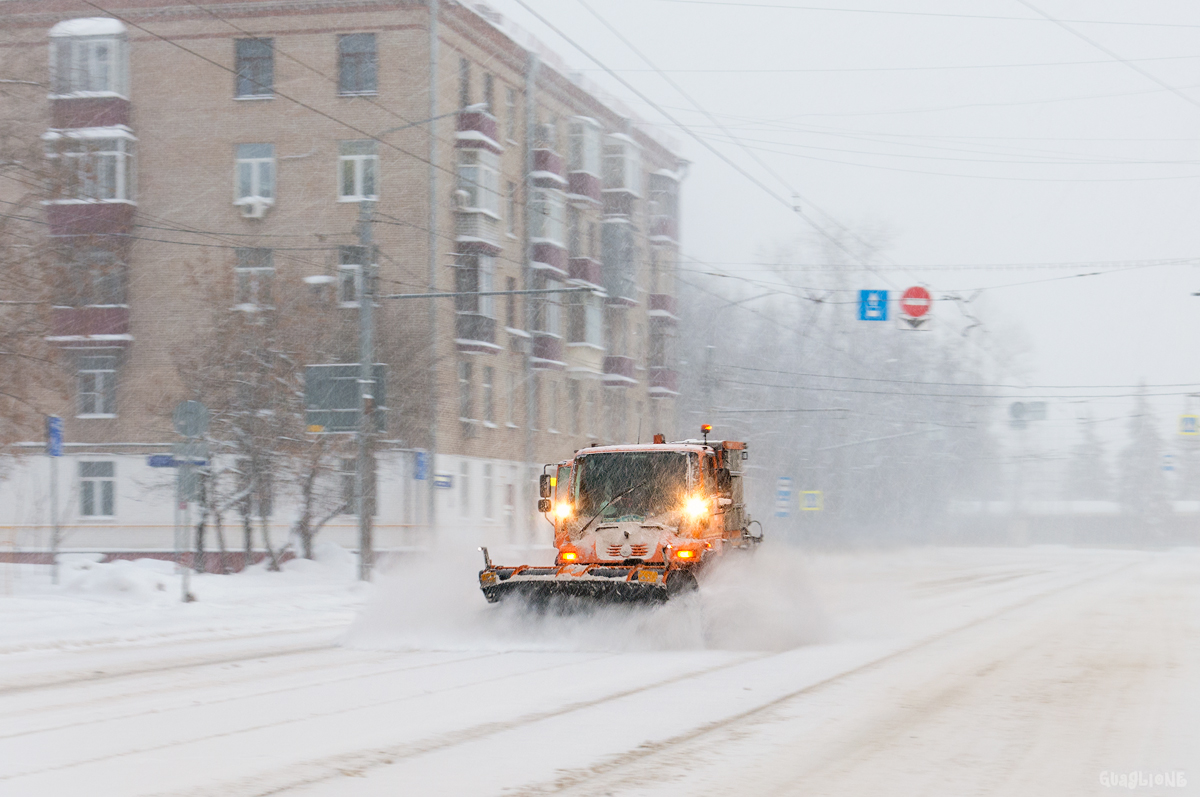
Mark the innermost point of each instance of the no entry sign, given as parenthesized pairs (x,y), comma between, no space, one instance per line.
(914,308)
(915,302)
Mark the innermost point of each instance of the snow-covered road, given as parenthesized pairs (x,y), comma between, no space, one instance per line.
(933,671)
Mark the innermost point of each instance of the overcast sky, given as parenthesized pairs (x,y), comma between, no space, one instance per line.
(996,138)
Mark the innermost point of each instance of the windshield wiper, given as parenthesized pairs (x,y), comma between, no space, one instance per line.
(612,501)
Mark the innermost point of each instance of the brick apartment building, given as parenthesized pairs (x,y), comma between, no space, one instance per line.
(232,144)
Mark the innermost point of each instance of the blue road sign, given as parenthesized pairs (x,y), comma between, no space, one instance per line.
(443,480)
(160,461)
(812,501)
(872,305)
(783,497)
(421,466)
(54,435)
(1189,424)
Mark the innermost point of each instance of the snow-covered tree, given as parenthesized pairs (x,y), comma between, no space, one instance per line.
(1088,477)
(1143,488)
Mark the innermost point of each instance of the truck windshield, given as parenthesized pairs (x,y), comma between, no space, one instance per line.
(653,482)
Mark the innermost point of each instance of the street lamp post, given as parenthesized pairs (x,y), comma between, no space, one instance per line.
(363,505)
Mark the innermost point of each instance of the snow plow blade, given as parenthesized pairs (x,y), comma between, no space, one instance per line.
(583,584)
(587,583)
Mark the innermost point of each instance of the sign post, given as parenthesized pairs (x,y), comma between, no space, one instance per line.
(915,304)
(191,421)
(54,449)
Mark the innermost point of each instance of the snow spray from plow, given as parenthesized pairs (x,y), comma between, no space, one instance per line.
(750,603)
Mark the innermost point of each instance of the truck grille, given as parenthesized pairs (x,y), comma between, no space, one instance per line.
(634,550)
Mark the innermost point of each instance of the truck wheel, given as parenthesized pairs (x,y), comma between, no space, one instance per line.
(680,582)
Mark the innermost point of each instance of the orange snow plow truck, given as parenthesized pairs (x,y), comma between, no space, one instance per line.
(633,522)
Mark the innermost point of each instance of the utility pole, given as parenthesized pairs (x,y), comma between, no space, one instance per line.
(431,475)
(530,307)
(366,386)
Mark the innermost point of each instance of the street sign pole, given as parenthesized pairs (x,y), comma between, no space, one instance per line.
(191,422)
(54,449)
(366,391)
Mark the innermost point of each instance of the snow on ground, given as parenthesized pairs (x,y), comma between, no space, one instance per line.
(919,671)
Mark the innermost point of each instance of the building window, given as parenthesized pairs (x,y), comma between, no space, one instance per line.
(479,180)
(464,489)
(475,274)
(466,411)
(618,256)
(662,346)
(547,314)
(464,83)
(512,209)
(535,401)
(615,329)
(255,271)
(510,408)
(93,276)
(663,205)
(489,89)
(622,165)
(356,63)
(488,487)
(358,167)
(97,386)
(574,402)
(585,145)
(591,416)
(510,114)
(547,209)
(97,163)
(554,407)
(510,303)
(89,57)
(585,319)
(255,67)
(489,397)
(97,489)
(351,260)
(255,174)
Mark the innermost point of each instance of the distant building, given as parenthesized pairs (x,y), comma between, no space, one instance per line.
(234,142)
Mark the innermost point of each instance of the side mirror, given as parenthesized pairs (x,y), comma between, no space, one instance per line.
(545,485)
(544,503)
(724,482)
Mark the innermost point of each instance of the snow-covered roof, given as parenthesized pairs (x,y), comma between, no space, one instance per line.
(88,26)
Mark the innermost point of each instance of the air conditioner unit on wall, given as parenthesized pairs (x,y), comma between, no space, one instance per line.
(254,209)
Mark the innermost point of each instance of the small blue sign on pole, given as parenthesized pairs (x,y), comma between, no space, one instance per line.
(421,466)
(54,436)
(443,481)
(161,461)
(872,305)
(783,497)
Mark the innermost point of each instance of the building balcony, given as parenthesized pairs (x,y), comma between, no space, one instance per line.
(97,325)
(619,203)
(90,218)
(76,112)
(550,254)
(478,228)
(474,333)
(584,269)
(663,306)
(664,229)
(663,382)
(548,351)
(584,184)
(618,371)
(548,169)
(478,129)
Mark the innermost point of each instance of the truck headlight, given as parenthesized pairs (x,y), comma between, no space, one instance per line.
(695,507)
